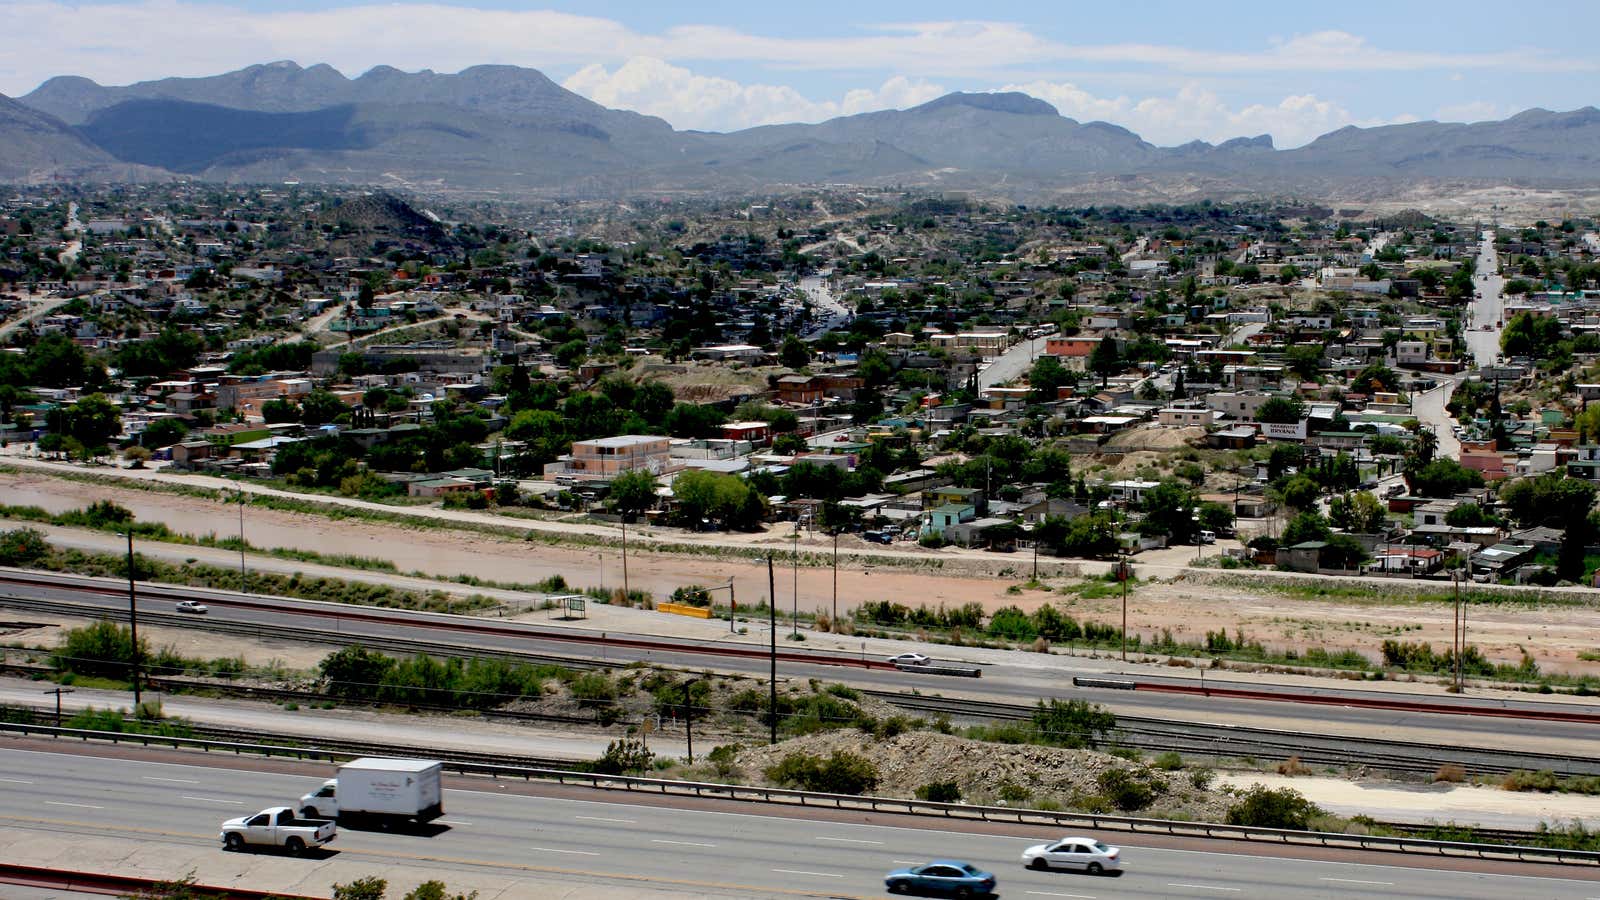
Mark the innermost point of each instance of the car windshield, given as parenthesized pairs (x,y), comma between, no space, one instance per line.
(970,869)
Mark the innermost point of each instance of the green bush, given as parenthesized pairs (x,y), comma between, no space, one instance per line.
(940,792)
(1261,807)
(622,756)
(722,759)
(841,773)
(1012,624)
(1074,723)
(1126,791)
(103,649)
(1168,761)
(23,547)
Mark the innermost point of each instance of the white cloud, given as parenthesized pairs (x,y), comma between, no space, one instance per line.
(1196,113)
(687,100)
(128,40)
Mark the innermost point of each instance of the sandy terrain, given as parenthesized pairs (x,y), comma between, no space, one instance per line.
(1178,600)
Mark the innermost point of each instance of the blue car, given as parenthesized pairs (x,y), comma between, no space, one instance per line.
(942,876)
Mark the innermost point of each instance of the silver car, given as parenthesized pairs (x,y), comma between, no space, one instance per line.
(1078,854)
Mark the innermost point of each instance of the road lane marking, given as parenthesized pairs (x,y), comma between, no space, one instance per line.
(1053,894)
(603,819)
(173,780)
(451,822)
(1204,887)
(906,862)
(573,852)
(1358,881)
(681,843)
(213,800)
(848,840)
(78,805)
(16,780)
(803,872)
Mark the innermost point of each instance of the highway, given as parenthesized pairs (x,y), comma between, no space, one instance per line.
(1028,678)
(532,840)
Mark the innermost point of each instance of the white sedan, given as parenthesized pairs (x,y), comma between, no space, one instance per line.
(910,659)
(1078,854)
(191,606)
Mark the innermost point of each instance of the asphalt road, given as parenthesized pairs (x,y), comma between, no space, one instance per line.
(1487,307)
(1024,681)
(173,811)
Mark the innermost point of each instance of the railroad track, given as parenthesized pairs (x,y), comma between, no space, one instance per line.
(1148,734)
(1233,741)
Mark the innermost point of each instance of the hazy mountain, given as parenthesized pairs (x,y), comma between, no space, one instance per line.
(34,146)
(508,128)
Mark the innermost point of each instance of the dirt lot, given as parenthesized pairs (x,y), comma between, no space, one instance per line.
(1555,635)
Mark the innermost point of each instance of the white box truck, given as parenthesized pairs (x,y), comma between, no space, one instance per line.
(373,789)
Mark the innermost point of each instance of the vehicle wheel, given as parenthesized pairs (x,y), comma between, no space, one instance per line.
(295,846)
(1094,869)
(234,843)
(897,887)
(309,812)
(1039,863)
(963,892)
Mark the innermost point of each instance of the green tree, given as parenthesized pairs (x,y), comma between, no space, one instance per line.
(694,420)
(1046,378)
(794,354)
(632,493)
(1104,360)
(1307,526)
(1300,493)
(92,421)
(1282,410)
(320,407)
(1442,478)
(1261,807)
(1375,377)
(164,432)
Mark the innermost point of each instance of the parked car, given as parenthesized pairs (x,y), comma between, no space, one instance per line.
(192,606)
(910,659)
(277,826)
(946,877)
(1077,854)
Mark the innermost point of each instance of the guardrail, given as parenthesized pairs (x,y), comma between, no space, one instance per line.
(941,669)
(1055,820)
(124,885)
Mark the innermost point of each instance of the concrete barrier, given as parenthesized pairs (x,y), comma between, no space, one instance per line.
(684,609)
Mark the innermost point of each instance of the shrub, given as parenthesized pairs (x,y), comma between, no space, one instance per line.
(1543,781)
(624,755)
(1451,773)
(1261,807)
(1200,779)
(103,648)
(593,688)
(23,547)
(1168,761)
(1012,624)
(841,773)
(722,758)
(1075,723)
(940,792)
(1125,791)
(1014,793)
(1292,766)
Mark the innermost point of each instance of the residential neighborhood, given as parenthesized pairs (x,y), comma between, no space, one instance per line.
(1279,387)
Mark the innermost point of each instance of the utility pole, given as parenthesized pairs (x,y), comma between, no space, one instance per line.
(794,618)
(58,691)
(772,654)
(241,540)
(1122,576)
(133,621)
(834,621)
(625,594)
(1455,628)
(688,716)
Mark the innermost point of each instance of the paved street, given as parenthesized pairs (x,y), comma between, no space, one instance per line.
(515,841)
(1488,307)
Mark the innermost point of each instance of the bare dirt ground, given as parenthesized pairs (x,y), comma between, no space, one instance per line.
(1187,603)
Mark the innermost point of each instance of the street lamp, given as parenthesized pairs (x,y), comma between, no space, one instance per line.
(133,620)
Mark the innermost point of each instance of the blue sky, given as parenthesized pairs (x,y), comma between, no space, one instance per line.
(1170,71)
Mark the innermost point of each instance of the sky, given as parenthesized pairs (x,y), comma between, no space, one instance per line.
(1171,71)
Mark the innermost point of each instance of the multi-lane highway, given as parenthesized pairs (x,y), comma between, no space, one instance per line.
(530,840)
(1028,678)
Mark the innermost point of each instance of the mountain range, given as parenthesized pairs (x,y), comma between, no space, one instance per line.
(510,129)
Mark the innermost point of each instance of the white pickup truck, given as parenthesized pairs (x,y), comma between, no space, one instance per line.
(277,827)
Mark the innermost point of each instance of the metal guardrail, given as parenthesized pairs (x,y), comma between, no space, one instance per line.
(1056,820)
(941,669)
